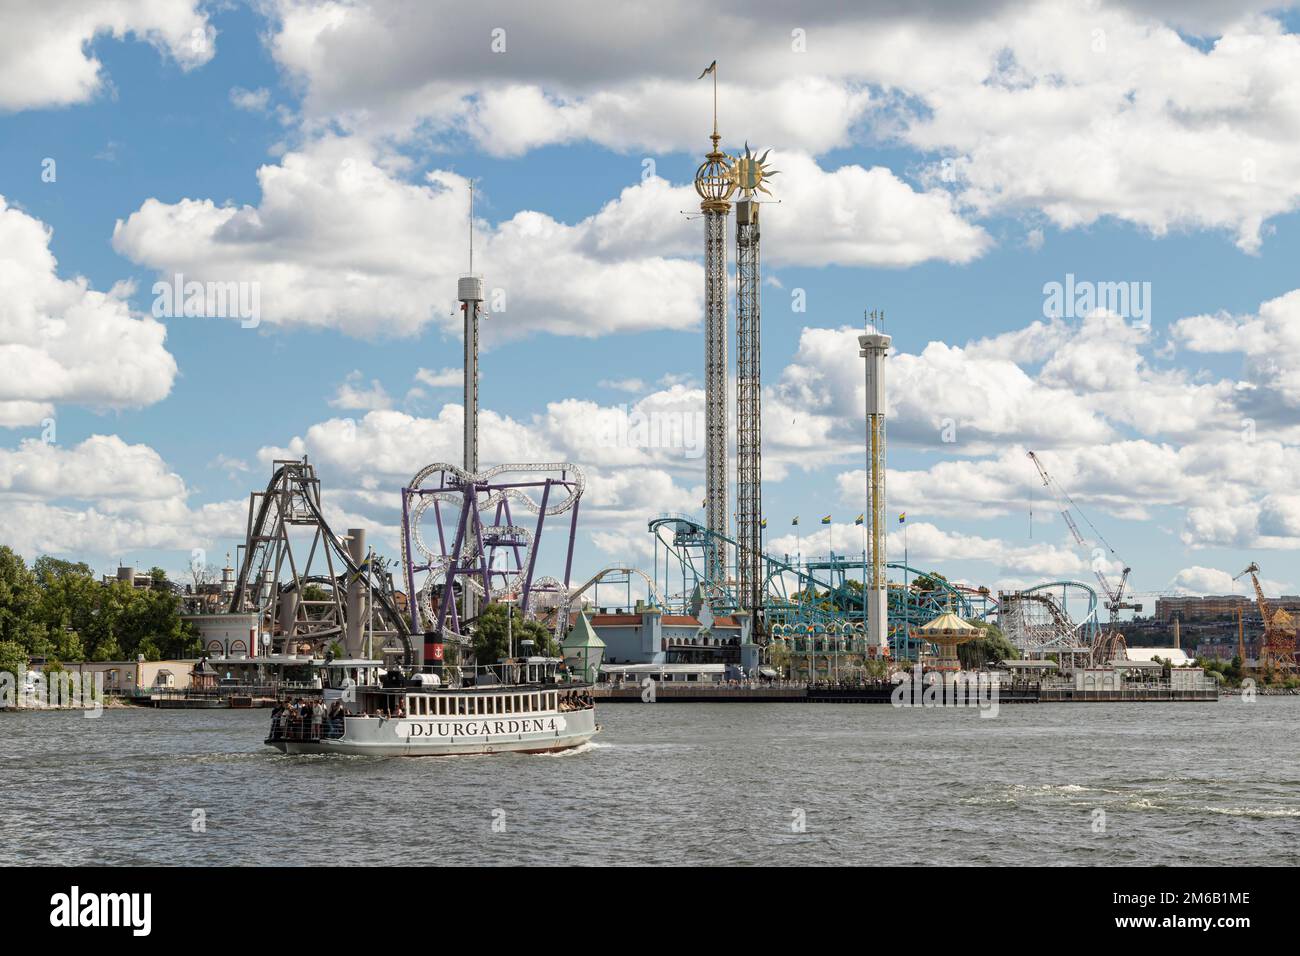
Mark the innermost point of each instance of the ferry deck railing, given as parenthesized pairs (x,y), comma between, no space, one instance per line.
(305,728)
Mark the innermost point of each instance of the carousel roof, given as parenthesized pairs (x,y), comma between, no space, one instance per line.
(947,624)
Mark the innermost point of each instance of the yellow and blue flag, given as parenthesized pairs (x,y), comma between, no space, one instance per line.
(826,519)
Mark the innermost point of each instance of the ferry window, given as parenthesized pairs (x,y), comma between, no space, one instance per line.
(478,705)
(441,706)
(532,702)
(509,704)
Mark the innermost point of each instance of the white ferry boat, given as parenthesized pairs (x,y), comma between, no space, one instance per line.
(518,706)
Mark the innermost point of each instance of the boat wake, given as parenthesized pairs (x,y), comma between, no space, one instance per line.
(588,747)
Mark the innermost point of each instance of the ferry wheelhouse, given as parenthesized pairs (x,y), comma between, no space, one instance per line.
(524,705)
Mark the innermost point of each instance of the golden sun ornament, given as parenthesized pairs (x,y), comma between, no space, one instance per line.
(750,173)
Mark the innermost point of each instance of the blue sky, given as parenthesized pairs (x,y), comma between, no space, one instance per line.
(951,262)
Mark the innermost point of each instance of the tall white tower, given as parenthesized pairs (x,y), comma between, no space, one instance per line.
(874,346)
(469,290)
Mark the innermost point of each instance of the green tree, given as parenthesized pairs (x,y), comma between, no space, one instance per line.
(19,598)
(491,637)
(150,624)
(779,657)
(316,592)
(930,581)
(69,596)
(991,645)
(13,659)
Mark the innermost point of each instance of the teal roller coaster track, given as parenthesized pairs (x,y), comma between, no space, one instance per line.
(814,604)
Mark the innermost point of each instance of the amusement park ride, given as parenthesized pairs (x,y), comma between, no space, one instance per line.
(309,586)
(465,540)
(1277,648)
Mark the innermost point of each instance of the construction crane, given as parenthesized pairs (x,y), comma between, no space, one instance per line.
(1277,647)
(1115,601)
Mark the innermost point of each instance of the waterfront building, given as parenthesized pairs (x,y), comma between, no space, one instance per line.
(645,635)
(583,649)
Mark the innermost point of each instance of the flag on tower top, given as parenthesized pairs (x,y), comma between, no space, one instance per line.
(708,69)
(795,521)
(826,519)
(902,517)
(858,519)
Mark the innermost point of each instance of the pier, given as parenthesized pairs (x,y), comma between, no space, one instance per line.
(882,693)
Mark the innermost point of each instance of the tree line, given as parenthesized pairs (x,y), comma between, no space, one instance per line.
(60,611)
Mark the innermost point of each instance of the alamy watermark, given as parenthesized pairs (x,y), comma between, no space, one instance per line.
(62,689)
(1074,299)
(177,298)
(618,427)
(962,689)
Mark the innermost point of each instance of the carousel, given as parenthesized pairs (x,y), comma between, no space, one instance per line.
(946,632)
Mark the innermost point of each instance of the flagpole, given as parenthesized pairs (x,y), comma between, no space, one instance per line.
(907,594)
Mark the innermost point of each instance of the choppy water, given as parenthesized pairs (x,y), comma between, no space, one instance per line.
(675,784)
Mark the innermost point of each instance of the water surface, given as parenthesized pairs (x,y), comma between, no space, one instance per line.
(1200,783)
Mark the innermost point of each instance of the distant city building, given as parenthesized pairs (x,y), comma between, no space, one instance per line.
(1212,606)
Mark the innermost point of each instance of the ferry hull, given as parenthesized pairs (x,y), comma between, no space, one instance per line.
(376,737)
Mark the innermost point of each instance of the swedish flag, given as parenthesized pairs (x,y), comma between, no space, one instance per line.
(902,517)
(795,521)
(763,523)
(826,520)
(858,519)
(363,569)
